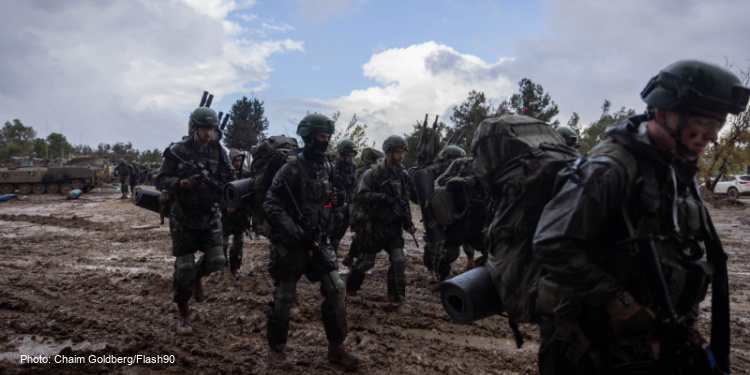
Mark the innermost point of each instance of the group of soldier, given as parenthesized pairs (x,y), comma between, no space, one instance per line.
(133,174)
(311,204)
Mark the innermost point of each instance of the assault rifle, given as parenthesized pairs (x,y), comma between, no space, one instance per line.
(190,168)
(312,233)
(680,343)
(402,207)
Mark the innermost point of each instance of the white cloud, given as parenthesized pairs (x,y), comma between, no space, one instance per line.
(124,71)
(424,78)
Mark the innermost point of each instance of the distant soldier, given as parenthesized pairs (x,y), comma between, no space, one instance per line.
(342,178)
(384,192)
(299,244)
(370,156)
(570,136)
(134,176)
(195,216)
(235,222)
(124,171)
(470,205)
(432,250)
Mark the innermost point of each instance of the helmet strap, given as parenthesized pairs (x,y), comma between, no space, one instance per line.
(676,133)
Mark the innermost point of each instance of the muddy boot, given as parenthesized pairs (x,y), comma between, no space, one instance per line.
(276,334)
(183,321)
(470,263)
(348,260)
(198,292)
(339,354)
(431,276)
(237,273)
(124,195)
(279,358)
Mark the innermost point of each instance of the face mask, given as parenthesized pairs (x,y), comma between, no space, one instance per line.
(320,147)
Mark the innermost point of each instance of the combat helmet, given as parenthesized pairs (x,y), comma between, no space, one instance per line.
(204,117)
(569,135)
(347,146)
(692,83)
(315,123)
(451,152)
(394,141)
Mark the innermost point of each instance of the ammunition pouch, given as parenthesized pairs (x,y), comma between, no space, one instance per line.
(688,280)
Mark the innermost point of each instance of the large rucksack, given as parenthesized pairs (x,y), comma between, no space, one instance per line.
(518,158)
(268,157)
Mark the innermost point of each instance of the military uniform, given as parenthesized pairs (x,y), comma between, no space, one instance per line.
(342,177)
(133,180)
(234,223)
(432,250)
(384,229)
(304,179)
(195,214)
(124,171)
(470,198)
(636,192)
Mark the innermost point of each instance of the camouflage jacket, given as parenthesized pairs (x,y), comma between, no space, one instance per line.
(309,184)
(342,177)
(124,169)
(200,200)
(371,192)
(627,186)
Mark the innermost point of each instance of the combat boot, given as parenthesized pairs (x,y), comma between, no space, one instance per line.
(339,354)
(279,358)
(198,292)
(183,322)
(470,263)
(431,276)
(124,195)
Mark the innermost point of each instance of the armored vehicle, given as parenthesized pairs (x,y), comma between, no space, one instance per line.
(37,176)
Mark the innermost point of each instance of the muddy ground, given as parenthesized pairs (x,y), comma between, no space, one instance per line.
(89,280)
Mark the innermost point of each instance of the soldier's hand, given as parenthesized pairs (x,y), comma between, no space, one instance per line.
(630,320)
(191,182)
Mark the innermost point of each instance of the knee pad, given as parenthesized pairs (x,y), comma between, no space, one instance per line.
(333,289)
(397,256)
(368,261)
(215,259)
(184,269)
(283,298)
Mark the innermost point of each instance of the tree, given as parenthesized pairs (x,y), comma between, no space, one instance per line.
(150,156)
(247,125)
(16,140)
(58,146)
(467,116)
(531,100)
(732,151)
(125,151)
(354,130)
(594,132)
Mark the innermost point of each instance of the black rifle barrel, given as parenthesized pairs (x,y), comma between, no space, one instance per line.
(203,99)
(224,123)
(210,100)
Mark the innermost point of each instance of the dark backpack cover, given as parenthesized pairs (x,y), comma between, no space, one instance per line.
(268,157)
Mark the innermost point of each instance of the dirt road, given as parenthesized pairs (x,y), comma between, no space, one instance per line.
(87,283)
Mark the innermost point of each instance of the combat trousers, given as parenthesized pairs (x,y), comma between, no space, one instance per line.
(388,238)
(238,240)
(185,242)
(431,255)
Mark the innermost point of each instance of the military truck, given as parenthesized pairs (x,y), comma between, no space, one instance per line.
(31,175)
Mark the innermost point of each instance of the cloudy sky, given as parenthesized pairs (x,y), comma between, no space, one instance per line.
(132,70)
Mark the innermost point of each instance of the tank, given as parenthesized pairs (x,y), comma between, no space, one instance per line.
(37,176)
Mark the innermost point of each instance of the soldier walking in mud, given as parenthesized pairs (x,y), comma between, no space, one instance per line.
(432,250)
(342,178)
(384,193)
(624,241)
(470,206)
(195,215)
(235,222)
(296,205)
(369,157)
(124,171)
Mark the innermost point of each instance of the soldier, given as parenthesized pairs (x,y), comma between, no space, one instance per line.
(470,198)
(195,215)
(124,171)
(384,192)
(134,176)
(570,136)
(342,179)
(235,222)
(636,193)
(369,157)
(432,250)
(297,213)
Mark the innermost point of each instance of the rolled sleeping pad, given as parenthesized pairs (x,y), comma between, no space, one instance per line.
(146,198)
(75,193)
(237,193)
(470,296)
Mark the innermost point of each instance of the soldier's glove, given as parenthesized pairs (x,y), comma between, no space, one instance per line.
(630,320)
(191,182)
(408,226)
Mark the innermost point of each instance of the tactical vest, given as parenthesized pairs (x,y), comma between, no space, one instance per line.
(201,200)
(313,182)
